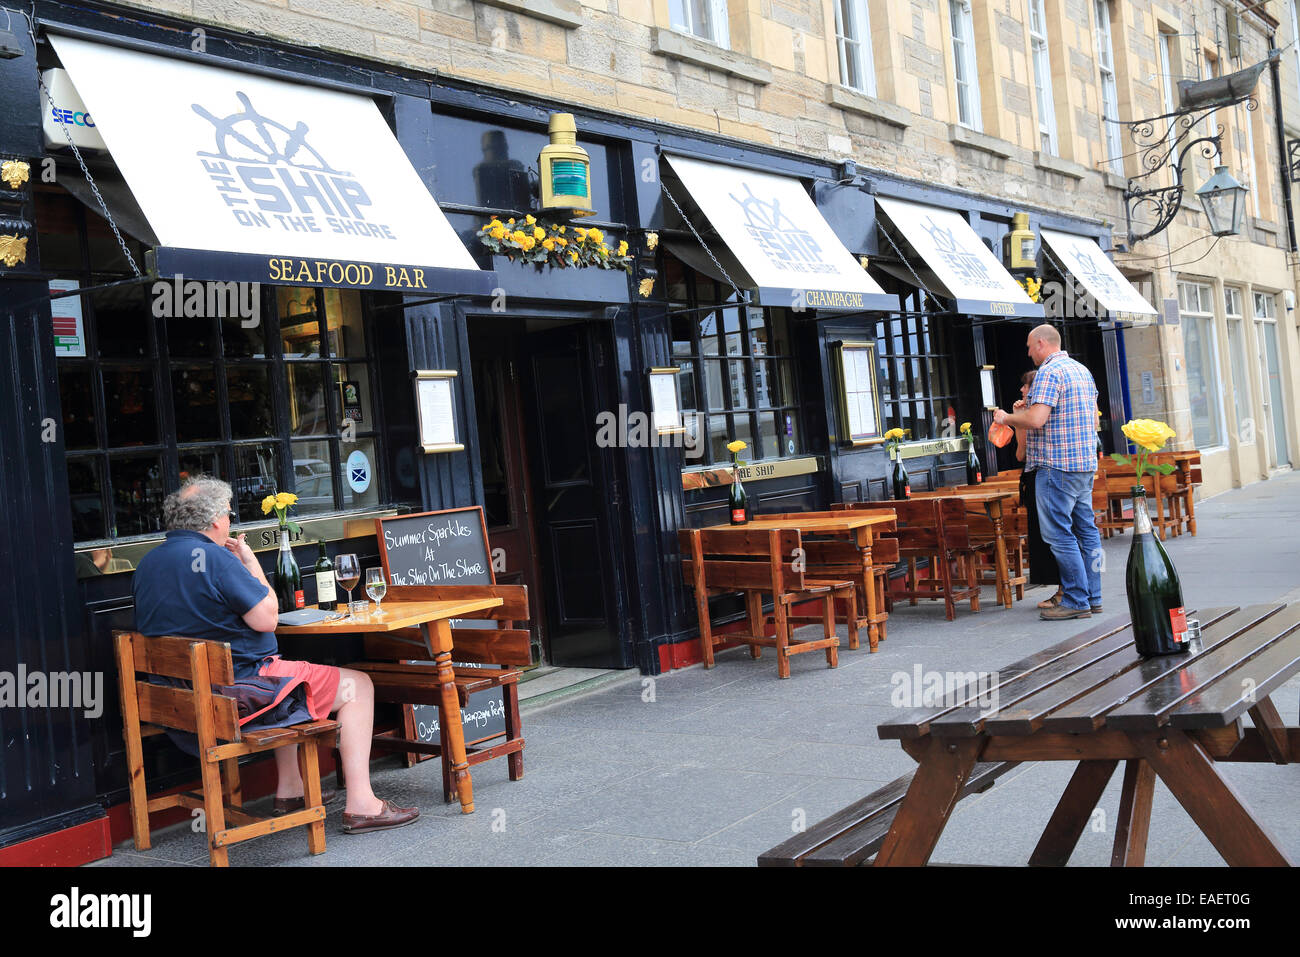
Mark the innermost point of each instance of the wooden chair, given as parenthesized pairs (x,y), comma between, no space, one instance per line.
(148,709)
(933,530)
(838,559)
(1163,498)
(396,665)
(723,561)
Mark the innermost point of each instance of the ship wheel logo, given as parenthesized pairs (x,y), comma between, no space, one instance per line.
(247,136)
(764,215)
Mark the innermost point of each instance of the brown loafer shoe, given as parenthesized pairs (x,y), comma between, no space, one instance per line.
(285,805)
(1064,612)
(390,817)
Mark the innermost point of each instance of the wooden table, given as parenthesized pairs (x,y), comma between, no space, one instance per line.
(995,503)
(433,619)
(858,527)
(1091,699)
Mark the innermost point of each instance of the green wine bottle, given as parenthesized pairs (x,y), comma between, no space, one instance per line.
(902,484)
(288,579)
(326,595)
(974,472)
(738,500)
(1155,596)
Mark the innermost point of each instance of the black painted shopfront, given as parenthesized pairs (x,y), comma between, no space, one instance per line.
(589,526)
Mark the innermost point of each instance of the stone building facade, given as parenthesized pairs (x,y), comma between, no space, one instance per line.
(774,75)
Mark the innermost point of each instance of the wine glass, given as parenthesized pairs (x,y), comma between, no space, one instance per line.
(347,572)
(376,588)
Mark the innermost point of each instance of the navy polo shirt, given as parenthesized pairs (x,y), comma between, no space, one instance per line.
(192,587)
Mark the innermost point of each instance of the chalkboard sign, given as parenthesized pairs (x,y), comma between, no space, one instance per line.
(444,548)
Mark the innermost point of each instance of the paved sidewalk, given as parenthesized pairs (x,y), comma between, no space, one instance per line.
(714,767)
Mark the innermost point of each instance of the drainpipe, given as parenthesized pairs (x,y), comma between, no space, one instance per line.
(1285,165)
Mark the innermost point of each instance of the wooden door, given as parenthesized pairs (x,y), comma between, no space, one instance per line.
(503,458)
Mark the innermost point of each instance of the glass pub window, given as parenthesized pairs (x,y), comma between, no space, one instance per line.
(915,370)
(738,378)
(149,400)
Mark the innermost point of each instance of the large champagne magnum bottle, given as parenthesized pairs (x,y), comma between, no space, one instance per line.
(738,501)
(1155,596)
(288,579)
(326,595)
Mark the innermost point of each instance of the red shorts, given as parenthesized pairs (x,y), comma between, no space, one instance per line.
(322,682)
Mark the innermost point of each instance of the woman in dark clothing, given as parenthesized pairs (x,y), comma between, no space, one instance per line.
(1043,569)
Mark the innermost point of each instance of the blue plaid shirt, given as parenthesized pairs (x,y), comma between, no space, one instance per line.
(1068,439)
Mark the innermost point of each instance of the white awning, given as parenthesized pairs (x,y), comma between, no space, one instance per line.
(1089,264)
(959,260)
(770,224)
(245,177)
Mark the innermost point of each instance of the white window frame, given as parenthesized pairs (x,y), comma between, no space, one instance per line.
(853,36)
(1043,78)
(965,69)
(1166,40)
(1109,90)
(1196,307)
(1233,298)
(713,26)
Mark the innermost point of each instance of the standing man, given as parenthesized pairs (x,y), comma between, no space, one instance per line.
(1061,422)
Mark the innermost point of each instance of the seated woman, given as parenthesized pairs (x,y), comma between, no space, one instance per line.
(1043,569)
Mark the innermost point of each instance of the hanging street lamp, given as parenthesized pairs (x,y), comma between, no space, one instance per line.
(1224,202)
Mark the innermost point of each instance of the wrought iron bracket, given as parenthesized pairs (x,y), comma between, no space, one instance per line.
(1293,159)
(1164,142)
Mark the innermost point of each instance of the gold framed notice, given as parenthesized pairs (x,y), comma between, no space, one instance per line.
(665,409)
(436,410)
(858,394)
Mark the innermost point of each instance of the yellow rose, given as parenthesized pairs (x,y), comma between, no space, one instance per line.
(518,236)
(268,503)
(645,286)
(580,232)
(965,427)
(894,434)
(548,245)
(538,233)
(285,499)
(595,235)
(498,232)
(530,220)
(622,247)
(736,446)
(1148,433)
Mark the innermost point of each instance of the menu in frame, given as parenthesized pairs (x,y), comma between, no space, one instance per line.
(665,409)
(859,400)
(434,402)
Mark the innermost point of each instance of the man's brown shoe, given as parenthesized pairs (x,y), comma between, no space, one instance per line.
(1053,601)
(286,805)
(390,817)
(1063,612)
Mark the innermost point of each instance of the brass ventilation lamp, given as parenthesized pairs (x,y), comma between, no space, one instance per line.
(565,169)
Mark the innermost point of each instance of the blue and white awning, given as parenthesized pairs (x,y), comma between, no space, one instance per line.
(1089,264)
(244,177)
(790,253)
(959,260)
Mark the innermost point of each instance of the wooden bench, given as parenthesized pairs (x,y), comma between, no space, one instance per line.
(149,709)
(934,530)
(849,837)
(754,562)
(397,666)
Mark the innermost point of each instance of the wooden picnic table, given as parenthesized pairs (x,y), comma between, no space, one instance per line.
(1093,700)
(433,619)
(857,527)
(997,503)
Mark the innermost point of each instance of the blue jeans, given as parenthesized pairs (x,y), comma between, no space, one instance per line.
(1069,528)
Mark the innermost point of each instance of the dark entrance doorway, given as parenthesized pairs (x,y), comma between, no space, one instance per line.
(546,485)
